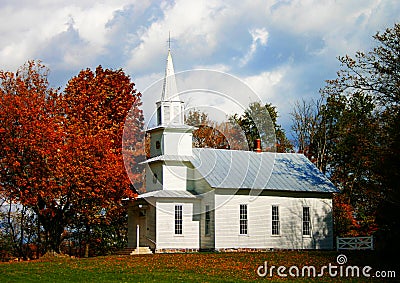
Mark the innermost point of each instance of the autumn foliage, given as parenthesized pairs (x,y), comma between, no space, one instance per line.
(212,134)
(352,135)
(61,151)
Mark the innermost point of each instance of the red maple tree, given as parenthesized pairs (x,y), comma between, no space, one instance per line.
(61,153)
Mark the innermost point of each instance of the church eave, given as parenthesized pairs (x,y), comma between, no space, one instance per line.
(184,128)
(169,194)
(162,158)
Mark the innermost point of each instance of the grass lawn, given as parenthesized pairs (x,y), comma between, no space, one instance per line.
(195,267)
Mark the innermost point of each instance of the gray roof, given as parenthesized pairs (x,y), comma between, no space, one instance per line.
(251,170)
(238,169)
(168,194)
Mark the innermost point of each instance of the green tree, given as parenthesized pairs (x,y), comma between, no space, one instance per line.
(260,122)
(360,120)
(353,147)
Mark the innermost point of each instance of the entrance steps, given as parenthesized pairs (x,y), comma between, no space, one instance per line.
(141,251)
(134,251)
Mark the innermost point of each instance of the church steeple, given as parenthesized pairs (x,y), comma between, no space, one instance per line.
(170,139)
(170,108)
(170,91)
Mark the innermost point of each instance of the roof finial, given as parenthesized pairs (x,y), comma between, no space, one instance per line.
(169,41)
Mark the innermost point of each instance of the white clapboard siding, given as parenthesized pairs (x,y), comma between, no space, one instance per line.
(174,176)
(156,139)
(200,185)
(176,143)
(165,233)
(259,222)
(154,176)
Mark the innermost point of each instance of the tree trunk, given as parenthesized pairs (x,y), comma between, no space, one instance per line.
(87,249)
(87,244)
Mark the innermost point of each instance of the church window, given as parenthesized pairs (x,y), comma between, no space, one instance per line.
(275,220)
(207,220)
(166,114)
(159,115)
(306,221)
(176,115)
(158,145)
(243,219)
(178,219)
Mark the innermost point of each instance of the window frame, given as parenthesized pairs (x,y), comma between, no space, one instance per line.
(243,220)
(167,113)
(176,119)
(275,222)
(306,221)
(207,221)
(159,114)
(178,220)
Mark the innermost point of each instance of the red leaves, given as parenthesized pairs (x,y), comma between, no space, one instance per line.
(224,135)
(344,216)
(96,105)
(65,150)
(25,121)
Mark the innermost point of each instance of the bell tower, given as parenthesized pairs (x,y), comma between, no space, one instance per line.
(170,107)
(170,139)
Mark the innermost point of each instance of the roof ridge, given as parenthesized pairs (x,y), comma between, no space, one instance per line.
(249,151)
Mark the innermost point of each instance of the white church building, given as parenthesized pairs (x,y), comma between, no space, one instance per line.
(216,199)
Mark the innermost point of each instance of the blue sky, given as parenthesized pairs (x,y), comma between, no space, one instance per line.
(284,50)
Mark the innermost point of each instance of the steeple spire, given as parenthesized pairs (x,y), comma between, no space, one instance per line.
(170,108)
(170,91)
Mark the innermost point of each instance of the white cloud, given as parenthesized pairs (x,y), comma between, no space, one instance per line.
(264,83)
(215,67)
(276,87)
(259,37)
(282,49)
(345,26)
(31,25)
(192,26)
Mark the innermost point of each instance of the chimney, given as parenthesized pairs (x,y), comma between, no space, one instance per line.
(257,145)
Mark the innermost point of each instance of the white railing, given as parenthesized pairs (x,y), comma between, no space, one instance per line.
(355,243)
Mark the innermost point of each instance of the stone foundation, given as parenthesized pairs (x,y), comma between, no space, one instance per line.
(246,250)
(176,251)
